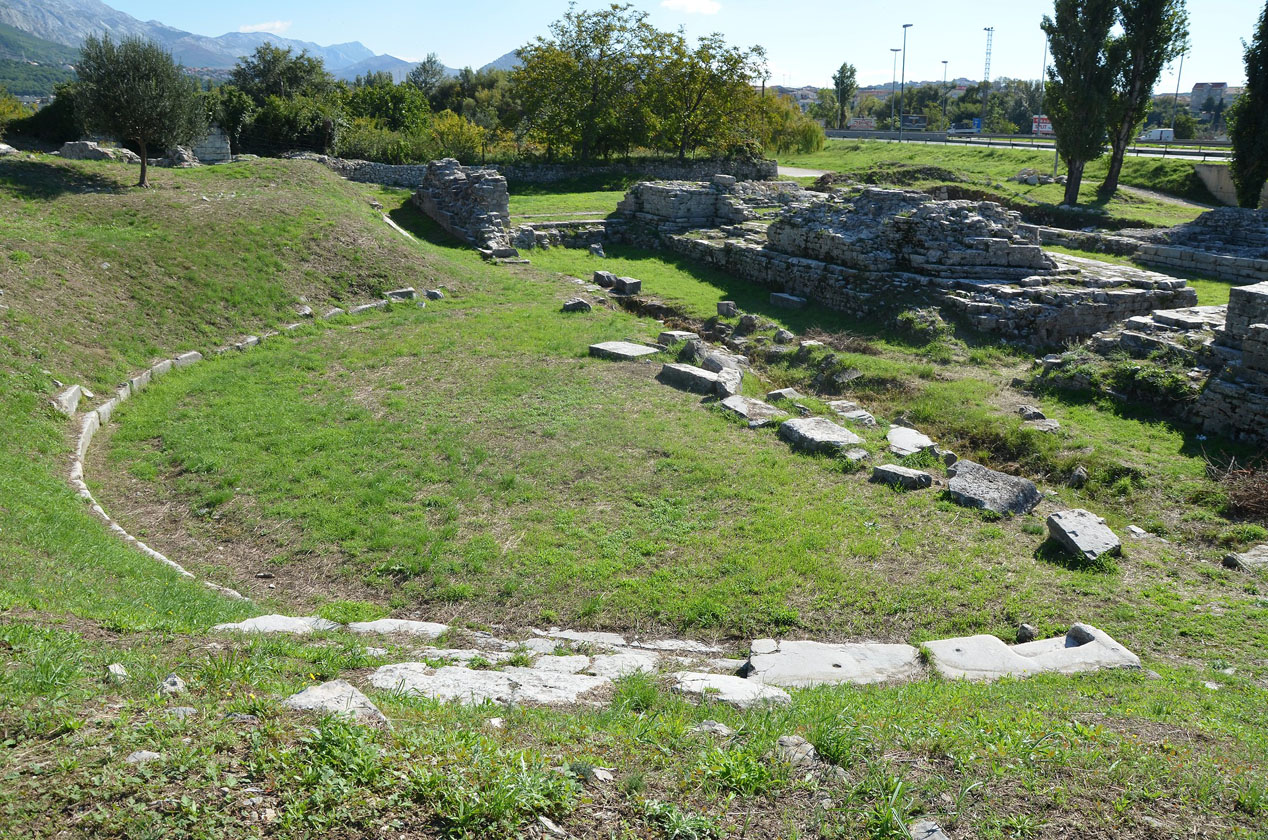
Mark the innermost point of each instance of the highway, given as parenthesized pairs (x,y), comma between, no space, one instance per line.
(1177,152)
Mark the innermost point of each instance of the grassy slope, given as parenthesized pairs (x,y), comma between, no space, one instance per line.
(1091,756)
(994,167)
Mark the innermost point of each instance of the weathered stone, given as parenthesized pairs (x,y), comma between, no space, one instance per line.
(398,626)
(368,307)
(796,664)
(798,752)
(902,477)
(186,359)
(67,402)
(784,394)
(974,485)
(1030,412)
(334,312)
(756,412)
(90,150)
(435,294)
(735,691)
(337,697)
(604,279)
(927,830)
(1079,477)
(514,685)
(627,286)
(784,337)
(563,664)
(577,305)
(182,712)
(1084,648)
(712,727)
(716,361)
(787,301)
(278,624)
(6,150)
(904,441)
(689,378)
(1046,426)
(172,685)
(408,293)
(676,336)
(143,757)
(596,250)
(850,411)
(1026,633)
(817,434)
(1254,560)
(729,383)
(621,351)
(117,673)
(727,309)
(616,665)
(1083,534)
(746,325)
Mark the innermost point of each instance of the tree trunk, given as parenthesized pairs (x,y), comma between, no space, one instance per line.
(1074,180)
(1110,185)
(144,183)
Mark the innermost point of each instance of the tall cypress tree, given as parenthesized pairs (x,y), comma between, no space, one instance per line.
(1248,119)
(1080,82)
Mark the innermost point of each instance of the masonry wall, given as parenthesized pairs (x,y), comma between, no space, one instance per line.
(214,147)
(471,204)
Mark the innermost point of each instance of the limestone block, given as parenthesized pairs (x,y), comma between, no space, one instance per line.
(787,301)
(577,305)
(974,485)
(1083,534)
(904,441)
(627,286)
(795,664)
(676,336)
(408,293)
(1083,648)
(727,309)
(817,434)
(729,383)
(734,691)
(902,477)
(337,697)
(621,351)
(278,624)
(67,402)
(1255,560)
(756,412)
(689,378)
(399,626)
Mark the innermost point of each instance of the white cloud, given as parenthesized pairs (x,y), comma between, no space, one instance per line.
(276,27)
(693,7)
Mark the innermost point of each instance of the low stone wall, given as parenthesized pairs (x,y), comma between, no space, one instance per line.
(1235,401)
(572,234)
(1094,242)
(1231,269)
(471,204)
(213,148)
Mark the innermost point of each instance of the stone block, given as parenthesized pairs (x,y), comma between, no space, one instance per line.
(577,305)
(269,624)
(408,293)
(734,691)
(339,698)
(797,664)
(1083,534)
(730,383)
(756,412)
(621,351)
(184,360)
(897,476)
(398,626)
(1255,560)
(676,336)
(817,434)
(368,307)
(986,658)
(67,402)
(604,279)
(787,301)
(689,378)
(784,394)
(974,485)
(627,286)
(727,309)
(904,441)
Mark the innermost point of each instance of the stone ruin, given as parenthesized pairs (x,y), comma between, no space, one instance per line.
(879,249)
(470,203)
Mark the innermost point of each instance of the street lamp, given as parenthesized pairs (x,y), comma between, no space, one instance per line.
(902,100)
(1175,106)
(893,84)
(946,92)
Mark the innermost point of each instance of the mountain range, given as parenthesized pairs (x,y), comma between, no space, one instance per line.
(68,22)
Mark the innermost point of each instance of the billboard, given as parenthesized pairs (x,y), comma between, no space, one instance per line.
(1041,125)
(862,124)
(915,122)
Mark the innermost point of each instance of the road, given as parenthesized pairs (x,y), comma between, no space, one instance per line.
(1142,151)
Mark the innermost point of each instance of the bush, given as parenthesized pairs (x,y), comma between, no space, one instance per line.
(56,123)
(457,137)
(1247,493)
(365,139)
(10,109)
(301,123)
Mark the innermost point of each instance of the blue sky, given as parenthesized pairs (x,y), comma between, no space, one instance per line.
(805,39)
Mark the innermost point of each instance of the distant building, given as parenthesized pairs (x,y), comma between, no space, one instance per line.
(1204,92)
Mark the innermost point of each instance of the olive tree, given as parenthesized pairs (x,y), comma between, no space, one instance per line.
(1249,121)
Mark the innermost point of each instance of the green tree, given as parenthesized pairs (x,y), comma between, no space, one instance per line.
(427,74)
(825,107)
(699,91)
(231,109)
(10,109)
(277,71)
(134,91)
(402,107)
(1080,83)
(1248,121)
(1154,33)
(846,84)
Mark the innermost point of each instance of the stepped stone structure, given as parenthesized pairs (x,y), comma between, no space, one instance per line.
(471,204)
(1235,401)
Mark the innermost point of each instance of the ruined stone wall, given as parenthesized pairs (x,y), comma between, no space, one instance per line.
(1091,241)
(471,204)
(213,147)
(1235,401)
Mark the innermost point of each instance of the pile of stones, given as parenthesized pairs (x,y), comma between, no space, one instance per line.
(91,150)
(470,203)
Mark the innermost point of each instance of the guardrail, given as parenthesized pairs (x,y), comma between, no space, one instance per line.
(1181,148)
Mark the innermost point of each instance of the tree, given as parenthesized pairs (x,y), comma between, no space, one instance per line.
(427,75)
(1080,83)
(274,71)
(1154,33)
(845,83)
(133,91)
(698,92)
(231,109)
(1248,121)
(10,109)
(825,107)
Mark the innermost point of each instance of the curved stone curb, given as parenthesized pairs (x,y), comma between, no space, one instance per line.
(92,421)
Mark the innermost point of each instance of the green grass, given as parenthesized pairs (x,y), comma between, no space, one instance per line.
(597,195)
(990,168)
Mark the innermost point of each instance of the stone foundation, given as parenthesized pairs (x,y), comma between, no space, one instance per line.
(471,204)
(1235,401)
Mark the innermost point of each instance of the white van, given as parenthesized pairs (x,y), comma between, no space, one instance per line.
(1159,135)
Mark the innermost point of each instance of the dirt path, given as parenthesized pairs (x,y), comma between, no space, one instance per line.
(1164,197)
(798,172)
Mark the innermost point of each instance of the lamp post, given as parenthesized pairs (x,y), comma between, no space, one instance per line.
(946,92)
(902,99)
(892,85)
(1176,105)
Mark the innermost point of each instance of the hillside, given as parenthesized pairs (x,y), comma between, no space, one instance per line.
(468,464)
(31,66)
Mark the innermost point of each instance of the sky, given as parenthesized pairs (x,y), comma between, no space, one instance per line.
(805,40)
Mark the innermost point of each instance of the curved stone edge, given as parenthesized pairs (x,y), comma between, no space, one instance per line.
(92,421)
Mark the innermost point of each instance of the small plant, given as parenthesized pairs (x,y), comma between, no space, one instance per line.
(1252,798)
(1244,534)
(740,771)
(636,692)
(676,824)
(888,818)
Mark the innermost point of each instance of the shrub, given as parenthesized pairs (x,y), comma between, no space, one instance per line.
(1247,493)
(457,137)
(922,326)
(299,123)
(56,123)
(365,139)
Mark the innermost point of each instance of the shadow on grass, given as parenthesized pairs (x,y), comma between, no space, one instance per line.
(422,226)
(1051,552)
(45,180)
(599,182)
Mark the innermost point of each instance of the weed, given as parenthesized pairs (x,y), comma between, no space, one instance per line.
(740,770)
(676,824)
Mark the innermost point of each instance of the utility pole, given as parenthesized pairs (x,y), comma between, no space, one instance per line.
(1176,105)
(986,80)
(946,92)
(893,87)
(902,101)
(1043,104)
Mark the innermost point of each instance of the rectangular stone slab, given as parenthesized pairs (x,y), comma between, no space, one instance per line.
(817,434)
(689,378)
(973,485)
(897,476)
(675,336)
(621,351)
(795,664)
(1083,534)
(756,412)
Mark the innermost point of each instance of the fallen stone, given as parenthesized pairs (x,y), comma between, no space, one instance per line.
(1083,534)
(747,325)
(1254,560)
(784,337)
(729,383)
(1030,412)
(787,301)
(1137,532)
(756,412)
(627,286)
(904,441)
(675,336)
(67,402)
(335,312)
(596,250)
(784,394)
(712,727)
(850,411)
(1046,426)
(172,686)
(927,830)
(976,486)
(817,434)
(735,691)
(435,294)
(1078,478)
(182,712)
(1026,633)
(897,476)
(795,664)
(716,362)
(6,149)
(278,624)
(617,665)
(143,757)
(591,638)
(987,658)
(798,752)
(563,664)
(604,279)
(727,309)
(184,360)
(398,626)
(305,311)
(117,673)
(407,293)
(514,685)
(337,697)
(621,351)
(689,378)
(367,307)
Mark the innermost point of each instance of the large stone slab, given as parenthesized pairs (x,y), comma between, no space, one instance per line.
(904,441)
(689,378)
(399,626)
(787,301)
(756,412)
(621,351)
(676,336)
(464,685)
(897,476)
(1083,534)
(974,485)
(852,412)
(1255,560)
(730,383)
(616,665)
(986,658)
(336,698)
(795,664)
(817,434)
(301,626)
(735,691)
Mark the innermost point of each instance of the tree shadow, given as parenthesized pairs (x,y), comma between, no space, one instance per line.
(418,223)
(45,180)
